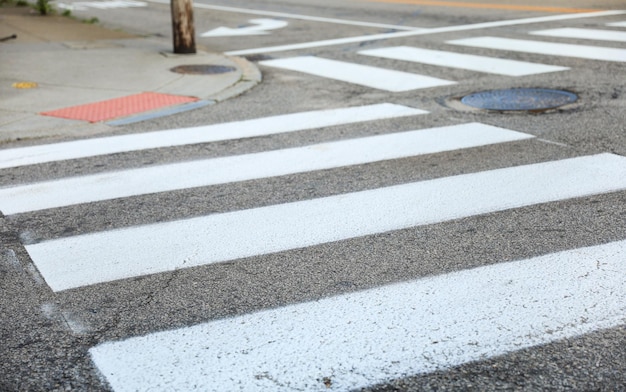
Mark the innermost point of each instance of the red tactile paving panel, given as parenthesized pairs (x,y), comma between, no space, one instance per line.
(119,107)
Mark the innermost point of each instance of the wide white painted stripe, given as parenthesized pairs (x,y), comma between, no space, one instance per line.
(104,186)
(617,24)
(77,261)
(548,48)
(369,337)
(437,30)
(380,78)
(203,134)
(462,61)
(598,35)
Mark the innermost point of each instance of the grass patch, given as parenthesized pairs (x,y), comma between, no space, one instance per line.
(43,7)
(18,3)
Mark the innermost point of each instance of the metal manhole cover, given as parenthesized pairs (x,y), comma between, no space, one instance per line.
(258,57)
(203,69)
(519,99)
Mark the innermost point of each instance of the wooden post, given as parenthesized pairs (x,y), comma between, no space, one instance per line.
(182,26)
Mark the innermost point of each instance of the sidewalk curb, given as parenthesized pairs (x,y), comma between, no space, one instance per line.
(250,77)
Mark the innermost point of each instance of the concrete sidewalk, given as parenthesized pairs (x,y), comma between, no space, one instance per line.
(70,70)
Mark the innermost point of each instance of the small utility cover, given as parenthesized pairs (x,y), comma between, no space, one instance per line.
(519,99)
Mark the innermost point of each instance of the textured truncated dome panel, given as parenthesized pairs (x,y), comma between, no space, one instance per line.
(119,107)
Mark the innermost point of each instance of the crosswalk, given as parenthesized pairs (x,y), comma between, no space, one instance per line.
(222,237)
(359,338)
(399,81)
(347,341)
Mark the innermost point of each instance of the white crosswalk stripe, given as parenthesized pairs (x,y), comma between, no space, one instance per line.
(369,337)
(617,24)
(203,134)
(234,235)
(162,178)
(400,81)
(590,34)
(463,61)
(545,48)
(379,78)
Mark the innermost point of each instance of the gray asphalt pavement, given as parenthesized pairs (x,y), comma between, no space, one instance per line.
(51,335)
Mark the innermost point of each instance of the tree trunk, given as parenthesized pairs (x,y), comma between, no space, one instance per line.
(182,26)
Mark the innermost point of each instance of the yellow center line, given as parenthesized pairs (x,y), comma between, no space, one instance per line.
(513,7)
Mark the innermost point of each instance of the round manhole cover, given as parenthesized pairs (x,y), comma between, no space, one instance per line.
(519,99)
(203,69)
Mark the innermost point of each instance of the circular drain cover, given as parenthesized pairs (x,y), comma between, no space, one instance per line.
(203,69)
(519,99)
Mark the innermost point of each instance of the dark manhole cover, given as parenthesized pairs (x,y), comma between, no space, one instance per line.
(519,99)
(203,69)
(258,57)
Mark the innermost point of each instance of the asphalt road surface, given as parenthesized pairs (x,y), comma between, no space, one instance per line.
(350,224)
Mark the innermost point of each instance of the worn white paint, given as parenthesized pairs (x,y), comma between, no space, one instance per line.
(364,75)
(592,34)
(259,27)
(111,185)
(547,48)
(462,61)
(84,5)
(204,134)
(311,18)
(93,258)
(437,30)
(617,24)
(394,331)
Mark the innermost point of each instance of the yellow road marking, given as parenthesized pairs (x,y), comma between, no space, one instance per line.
(25,85)
(488,6)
